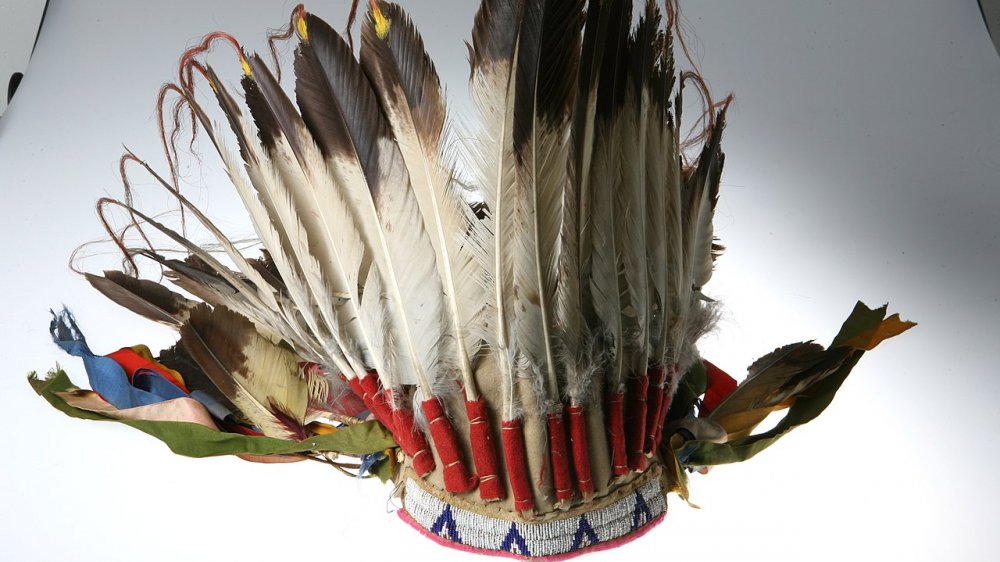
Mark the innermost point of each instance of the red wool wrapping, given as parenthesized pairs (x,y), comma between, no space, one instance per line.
(654,400)
(355,385)
(484,454)
(614,405)
(561,476)
(376,401)
(635,429)
(720,385)
(581,450)
(664,405)
(456,475)
(517,469)
(423,460)
(343,403)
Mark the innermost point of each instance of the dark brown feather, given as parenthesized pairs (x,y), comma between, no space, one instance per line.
(319,108)
(494,32)
(215,339)
(268,129)
(178,359)
(547,68)
(611,76)
(282,112)
(352,94)
(231,110)
(400,58)
(143,297)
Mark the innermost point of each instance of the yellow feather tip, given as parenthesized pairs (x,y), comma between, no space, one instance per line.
(246,66)
(301,29)
(382,23)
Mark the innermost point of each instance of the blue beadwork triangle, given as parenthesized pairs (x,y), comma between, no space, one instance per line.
(446,522)
(584,531)
(513,539)
(642,513)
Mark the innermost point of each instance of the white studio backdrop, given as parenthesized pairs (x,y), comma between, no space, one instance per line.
(863,157)
(19,23)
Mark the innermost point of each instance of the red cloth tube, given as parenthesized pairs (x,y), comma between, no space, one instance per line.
(614,405)
(635,428)
(654,400)
(376,401)
(484,454)
(355,385)
(517,470)
(664,408)
(423,460)
(664,405)
(456,475)
(560,457)
(720,385)
(581,450)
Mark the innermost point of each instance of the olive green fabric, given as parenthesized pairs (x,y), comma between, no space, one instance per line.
(194,440)
(862,331)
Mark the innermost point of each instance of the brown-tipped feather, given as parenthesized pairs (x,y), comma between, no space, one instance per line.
(255,374)
(178,359)
(143,297)
(334,66)
(410,93)
(400,59)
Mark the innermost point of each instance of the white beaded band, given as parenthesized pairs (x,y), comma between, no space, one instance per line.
(468,530)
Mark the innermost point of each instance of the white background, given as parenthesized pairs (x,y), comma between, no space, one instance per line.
(18,27)
(863,162)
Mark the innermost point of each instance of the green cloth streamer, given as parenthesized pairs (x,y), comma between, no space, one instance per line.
(193,440)
(863,330)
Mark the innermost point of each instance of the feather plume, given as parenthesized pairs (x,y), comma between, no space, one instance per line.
(700,193)
(606,261)
(332,236)
(632,195)
(546,79)
(297,314)
(259,377)
(277,184)
(358,146)
(662,185)
(146,298)
(409,90)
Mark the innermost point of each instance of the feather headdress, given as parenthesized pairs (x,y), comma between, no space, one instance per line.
(504,321)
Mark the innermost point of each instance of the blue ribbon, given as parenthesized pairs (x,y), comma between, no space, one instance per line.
(106,376)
